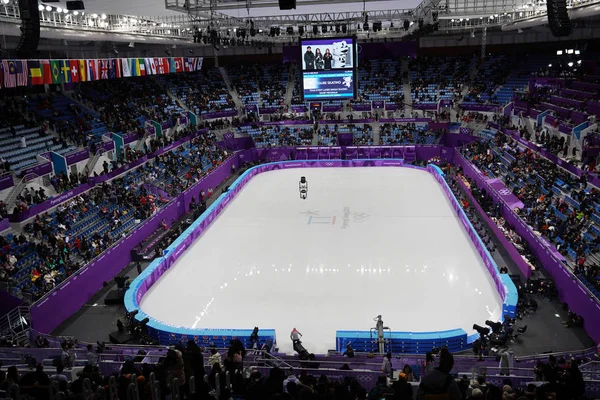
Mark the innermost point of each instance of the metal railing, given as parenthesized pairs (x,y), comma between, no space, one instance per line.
(14,326)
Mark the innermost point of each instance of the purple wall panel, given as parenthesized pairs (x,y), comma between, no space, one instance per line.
(77,156)
(6,181)
(39,170)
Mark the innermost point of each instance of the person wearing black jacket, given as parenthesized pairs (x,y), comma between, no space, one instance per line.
(309,59)
(327,59)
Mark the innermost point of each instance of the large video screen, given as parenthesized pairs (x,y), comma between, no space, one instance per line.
(329,68)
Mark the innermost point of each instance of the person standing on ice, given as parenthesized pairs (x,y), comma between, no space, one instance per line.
(295,336)
(303,186)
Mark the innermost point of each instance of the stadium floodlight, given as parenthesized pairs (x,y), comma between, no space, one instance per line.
(570,64)
(48,8)
(41,7)
(559,52)
(578,62)
(549,65)
(570,51)
(577,52)
(58,10)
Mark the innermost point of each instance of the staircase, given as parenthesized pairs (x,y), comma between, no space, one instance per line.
(234,95)
(11,199)
(171,94)
(315,139)
(528,124)
(94,160)
(289,92)
(406,83)
(376,133)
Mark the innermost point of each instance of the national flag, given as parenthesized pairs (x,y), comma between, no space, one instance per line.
(92,71)
(142,68)
(103,67)
(148,66)
(135,67)
(117,67)
(172,65)
(199,64)
(166,65)
(74,64)
(154,65)
(83,71)
(1,74)
(10,79)
(178,64)
(126,67)
(65,68)
(55,68)
(112,73)
(22,72)
(187,65)
(35,72)
(46,72)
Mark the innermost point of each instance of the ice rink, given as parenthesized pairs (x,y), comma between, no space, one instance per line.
(366,241)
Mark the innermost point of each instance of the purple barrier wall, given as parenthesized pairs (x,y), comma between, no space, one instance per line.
(219,114)
(361,107)
(268,110)
(39,169)
(478,107)
(48,204)
(404,120)
(425,106)
(570,290)
(510,248)
(4,225)
(564,128)
(345,139)
(130,137)
(6,181)
(54,308)
(77,156)
(566,101)
(108,146)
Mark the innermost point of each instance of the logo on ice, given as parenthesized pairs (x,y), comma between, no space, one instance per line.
(314,217)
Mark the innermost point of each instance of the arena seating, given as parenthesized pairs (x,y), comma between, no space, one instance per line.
(71,121)
(434,79)
(407,134)
(244,79)
(380,79)
(202,92)
(274,136)
(36,141)
(94,220)
(555,202)
(491,73)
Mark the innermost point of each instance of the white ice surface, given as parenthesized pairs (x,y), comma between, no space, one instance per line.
(380,241)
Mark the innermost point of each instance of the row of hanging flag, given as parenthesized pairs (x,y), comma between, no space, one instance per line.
(15,73)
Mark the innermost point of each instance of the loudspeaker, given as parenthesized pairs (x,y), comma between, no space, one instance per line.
(287,4)
(558,18)
(30,28)
(73,5)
